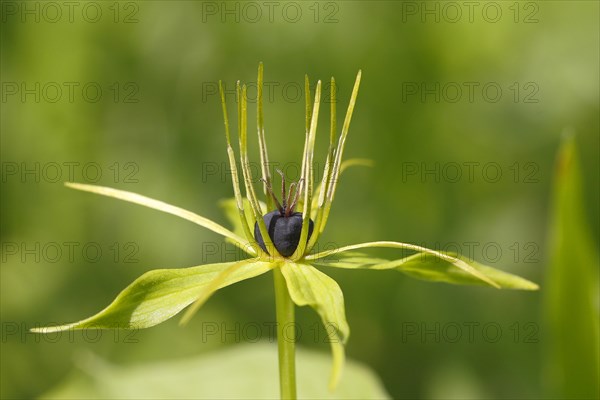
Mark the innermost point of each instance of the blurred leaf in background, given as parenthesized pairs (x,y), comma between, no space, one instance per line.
(571,286)
(240,372)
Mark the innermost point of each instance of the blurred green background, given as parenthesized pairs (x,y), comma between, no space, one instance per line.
(123,94)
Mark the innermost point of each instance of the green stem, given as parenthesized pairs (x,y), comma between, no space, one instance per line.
(286,337)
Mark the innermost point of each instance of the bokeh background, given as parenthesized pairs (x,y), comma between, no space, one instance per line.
(462,108)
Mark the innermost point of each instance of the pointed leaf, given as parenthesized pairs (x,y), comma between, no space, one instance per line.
(309,286)
(208,290)
(429,265)
(431,268)
(351,262)
(399,245)
(164,207)
(158,295)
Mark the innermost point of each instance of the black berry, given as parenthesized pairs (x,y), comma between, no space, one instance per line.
(284,225)
(283,231)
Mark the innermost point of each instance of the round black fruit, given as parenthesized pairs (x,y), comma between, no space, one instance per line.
(283,231)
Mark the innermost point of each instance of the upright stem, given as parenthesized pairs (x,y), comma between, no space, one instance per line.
(286,337)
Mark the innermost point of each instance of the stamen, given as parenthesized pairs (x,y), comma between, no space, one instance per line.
(289,199)
(270,190)
(297,196)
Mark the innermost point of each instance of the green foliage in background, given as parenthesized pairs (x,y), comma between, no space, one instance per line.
(572,308)
(240,372)
(169,145)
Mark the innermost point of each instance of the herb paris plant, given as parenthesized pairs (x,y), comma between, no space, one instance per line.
(281,241)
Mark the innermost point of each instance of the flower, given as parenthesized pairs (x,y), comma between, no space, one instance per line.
(160,294)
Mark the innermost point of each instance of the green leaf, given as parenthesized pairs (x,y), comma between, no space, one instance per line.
(433,266)
(215,284)
(160,294)
(399,245)
(246,371)
(571,303)
(164,207)
(428,267)
(309,286)
(351,261)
